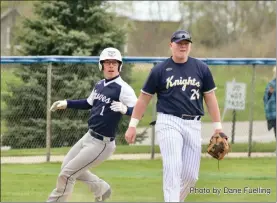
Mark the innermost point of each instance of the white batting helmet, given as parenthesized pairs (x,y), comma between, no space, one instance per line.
(110,53)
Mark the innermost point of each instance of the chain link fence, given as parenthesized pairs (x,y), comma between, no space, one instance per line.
(28,91)
(27,94)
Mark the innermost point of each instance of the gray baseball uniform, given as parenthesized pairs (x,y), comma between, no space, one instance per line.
(98,144)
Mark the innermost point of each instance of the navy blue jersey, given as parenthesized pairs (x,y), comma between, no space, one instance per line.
(180,86)
(102,119)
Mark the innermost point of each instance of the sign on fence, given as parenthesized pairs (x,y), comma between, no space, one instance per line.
(235,95)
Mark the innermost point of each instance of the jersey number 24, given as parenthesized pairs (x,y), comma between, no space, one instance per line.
(195,94)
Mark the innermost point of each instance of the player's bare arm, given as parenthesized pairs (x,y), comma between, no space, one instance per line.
(213,109)
(137,114)
(141,105)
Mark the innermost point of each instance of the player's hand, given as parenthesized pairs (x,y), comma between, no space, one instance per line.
(61,104)
(130,135)
(118,107)
(218,131)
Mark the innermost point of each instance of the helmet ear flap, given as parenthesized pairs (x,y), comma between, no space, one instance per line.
(100,65)
(120,66)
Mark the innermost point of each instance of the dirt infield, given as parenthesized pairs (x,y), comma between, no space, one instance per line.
(42,159)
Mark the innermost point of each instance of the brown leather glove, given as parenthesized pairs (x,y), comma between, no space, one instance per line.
(218,146)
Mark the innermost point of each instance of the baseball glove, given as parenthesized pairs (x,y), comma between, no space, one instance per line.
(218,146)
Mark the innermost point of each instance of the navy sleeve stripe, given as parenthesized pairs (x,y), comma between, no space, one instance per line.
(129,111)
(78,104)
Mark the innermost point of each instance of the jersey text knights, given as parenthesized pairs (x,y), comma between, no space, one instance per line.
(180,86)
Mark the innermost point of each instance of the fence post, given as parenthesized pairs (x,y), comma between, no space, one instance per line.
(252,98)
(48,113)
(153,127)
(234,126)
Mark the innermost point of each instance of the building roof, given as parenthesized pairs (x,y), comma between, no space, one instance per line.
(8,12)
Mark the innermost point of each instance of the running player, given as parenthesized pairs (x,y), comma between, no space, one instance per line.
(110,98)
(181,83)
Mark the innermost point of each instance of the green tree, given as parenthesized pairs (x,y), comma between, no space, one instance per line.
(69,28)
(218,23)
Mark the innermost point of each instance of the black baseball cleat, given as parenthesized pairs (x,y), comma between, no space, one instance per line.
(105,196)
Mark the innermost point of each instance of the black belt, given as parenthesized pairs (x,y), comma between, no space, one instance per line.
(100,137)
(188,117)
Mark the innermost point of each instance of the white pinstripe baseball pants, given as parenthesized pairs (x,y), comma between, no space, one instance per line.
(180,146)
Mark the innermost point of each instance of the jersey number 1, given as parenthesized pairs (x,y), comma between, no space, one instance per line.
(102,111)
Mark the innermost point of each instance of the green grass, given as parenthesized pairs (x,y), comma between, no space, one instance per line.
(135,149)
(141,181)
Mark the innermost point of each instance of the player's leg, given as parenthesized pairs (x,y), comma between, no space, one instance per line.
(99,187)
(95,184)
(191,156)
(72,152)
(171,143)
(70,155)
(93,153)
